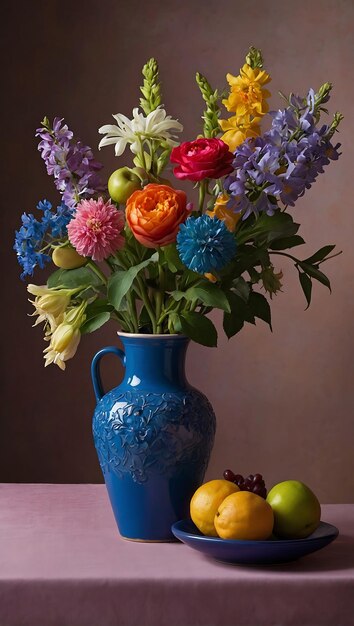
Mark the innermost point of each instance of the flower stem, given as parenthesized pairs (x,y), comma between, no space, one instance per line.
(160,296)
(146,300)
(96,270)
(132,311)
(202,190)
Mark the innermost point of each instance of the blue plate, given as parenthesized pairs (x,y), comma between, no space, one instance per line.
(254,552)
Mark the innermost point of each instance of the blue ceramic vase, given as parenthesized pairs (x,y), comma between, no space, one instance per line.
(153,435)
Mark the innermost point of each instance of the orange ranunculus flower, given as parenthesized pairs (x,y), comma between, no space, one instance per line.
(155,213)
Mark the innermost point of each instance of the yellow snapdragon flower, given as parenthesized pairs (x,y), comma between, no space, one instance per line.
(238,128)
(247,96)
(220,210)
(66,337)
(50,304)
(248,101)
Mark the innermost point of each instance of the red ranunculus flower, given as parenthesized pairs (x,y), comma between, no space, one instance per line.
(202,158)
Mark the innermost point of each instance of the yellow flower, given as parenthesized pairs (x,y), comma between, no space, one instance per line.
(66,337)
(247,96)
(228,216)
(50,304)
(238,128)
(63,345)
(211,277)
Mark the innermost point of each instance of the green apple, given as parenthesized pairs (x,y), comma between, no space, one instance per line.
(297,511)
(122,183)
(67,258)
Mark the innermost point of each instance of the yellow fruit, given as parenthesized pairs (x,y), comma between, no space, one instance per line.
(206,501)
(244,515)
(67,258)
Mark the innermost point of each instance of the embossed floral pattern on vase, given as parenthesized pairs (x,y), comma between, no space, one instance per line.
(147,433)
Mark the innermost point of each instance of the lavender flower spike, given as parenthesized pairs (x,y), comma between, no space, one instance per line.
(71,163)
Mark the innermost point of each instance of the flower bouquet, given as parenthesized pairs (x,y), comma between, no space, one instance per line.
(136,251)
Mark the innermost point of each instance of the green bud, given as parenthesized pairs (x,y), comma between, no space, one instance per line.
(271,280)
(212,112)
(322,95)
(151,88)
(254,58)
(337,118)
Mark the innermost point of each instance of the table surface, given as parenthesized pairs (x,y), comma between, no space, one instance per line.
(63,563)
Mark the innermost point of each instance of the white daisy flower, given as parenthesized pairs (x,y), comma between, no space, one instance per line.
(157,125)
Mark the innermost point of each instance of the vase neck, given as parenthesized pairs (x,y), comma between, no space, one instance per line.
(155,361)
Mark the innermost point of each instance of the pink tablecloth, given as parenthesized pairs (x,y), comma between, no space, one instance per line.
(63,563)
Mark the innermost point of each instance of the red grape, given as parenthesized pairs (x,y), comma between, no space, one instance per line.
(253,483)
(229,475)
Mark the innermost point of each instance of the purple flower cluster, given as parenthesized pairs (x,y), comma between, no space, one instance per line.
(284,162)
(70,162)
(33,239)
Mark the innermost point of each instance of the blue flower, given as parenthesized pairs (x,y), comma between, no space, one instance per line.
(33,237)
(205,244)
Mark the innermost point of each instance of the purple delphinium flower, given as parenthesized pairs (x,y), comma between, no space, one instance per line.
(70,162)
(283,163)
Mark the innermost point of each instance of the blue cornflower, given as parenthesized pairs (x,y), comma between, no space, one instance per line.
(34,235)
(205,244)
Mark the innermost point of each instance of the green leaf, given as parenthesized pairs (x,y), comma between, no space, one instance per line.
(306,284)
(70,279)
(178,295)
(269,227)
(210,295)
(100,305)
(241,287)
(247,257)
(260,307)
(144,320)
(240,308)
(282,226)
(174,322)
(319,255)
(240,313)
(199,328)
(287,242)
(172,259)
(314,272)
(120,282)
(232,324)
(94,323)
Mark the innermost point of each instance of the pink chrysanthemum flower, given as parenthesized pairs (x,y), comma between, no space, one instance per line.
(95,230)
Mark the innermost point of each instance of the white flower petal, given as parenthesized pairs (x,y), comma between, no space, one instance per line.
(121,145)
(157,124)
(107,141)
(135,147)
(108,128)
(122,120)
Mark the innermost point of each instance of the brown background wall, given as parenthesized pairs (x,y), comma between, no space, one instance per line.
(284,400)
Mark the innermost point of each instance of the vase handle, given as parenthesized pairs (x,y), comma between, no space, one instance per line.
(95,368)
